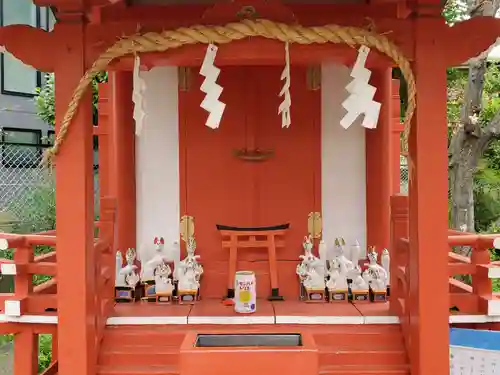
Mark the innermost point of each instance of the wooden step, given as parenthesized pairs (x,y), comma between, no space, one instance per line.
(110,345)
(363,370)
(144,336)
(359,328)
(361,341)
(130,357)
(368,358)
(137,370)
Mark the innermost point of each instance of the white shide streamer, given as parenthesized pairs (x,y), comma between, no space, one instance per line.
(360,100)
(211,102)
(138,96)
(284,108)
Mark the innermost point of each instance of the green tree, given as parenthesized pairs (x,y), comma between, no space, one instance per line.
(474,114)
(45,98)
(483,161)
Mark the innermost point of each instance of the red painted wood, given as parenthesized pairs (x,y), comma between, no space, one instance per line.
(378,165)
(428,209)
(287,184)
(122,168)
(76,261)
(219,188)
(362,349)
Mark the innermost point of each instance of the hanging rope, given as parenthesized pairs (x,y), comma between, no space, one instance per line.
(171,39)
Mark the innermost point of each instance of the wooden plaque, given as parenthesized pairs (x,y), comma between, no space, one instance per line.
(338,296)
(378,296)
(315,295)
(361,296)
(187,227)
(315,224)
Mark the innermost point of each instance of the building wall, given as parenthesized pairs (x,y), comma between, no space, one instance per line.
(19,175)
(19,112)
(157,163)
(17,80)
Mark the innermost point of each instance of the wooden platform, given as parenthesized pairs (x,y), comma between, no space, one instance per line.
(212,311)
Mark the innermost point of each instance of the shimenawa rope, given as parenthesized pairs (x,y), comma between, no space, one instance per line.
(170,39)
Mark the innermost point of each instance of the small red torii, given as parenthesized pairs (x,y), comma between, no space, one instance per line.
(252,238)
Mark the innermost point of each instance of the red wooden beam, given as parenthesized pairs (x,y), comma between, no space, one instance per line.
(52,369)
(29,44)
(102,36)
(64,4)
(474,35)
(255,51)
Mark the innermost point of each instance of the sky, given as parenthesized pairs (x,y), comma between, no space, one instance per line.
(495,53)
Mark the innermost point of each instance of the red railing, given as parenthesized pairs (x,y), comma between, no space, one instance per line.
(27,297)
(472,295)
(30,299)
(105,266)
(400,250)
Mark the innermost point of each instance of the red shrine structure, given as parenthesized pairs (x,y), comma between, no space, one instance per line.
(251,174)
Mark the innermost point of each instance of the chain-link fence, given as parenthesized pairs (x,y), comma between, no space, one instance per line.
(404,174)
(27,190)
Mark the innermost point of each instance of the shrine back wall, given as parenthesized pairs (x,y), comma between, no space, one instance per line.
(341,171)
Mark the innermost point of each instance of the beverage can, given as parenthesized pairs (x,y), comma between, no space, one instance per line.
(245,292)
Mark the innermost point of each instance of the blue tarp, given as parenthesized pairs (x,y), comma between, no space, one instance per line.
(472,338)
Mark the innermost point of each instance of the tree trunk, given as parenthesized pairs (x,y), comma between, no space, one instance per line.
(470,140)
(462,210)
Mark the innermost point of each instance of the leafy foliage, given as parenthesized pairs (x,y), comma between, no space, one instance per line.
(487,176)
(39,215)
(45,98)
(44,352)
(455,11)
(45,101)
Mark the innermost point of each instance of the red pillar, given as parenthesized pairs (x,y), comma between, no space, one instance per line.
(75,212)
(378,162)
(428,207)
(122,145)
(104,141)
(397,129)
(26,352)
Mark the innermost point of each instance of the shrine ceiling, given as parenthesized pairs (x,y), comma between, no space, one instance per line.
(175,2)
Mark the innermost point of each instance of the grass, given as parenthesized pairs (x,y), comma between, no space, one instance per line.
(5,339)
(44,349)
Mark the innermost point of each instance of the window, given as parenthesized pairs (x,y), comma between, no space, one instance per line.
(47,19)
(21,148)
(51,136)
(17,77)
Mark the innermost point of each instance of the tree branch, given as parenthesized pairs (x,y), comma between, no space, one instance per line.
(473,98)
(490,132)
(493,127)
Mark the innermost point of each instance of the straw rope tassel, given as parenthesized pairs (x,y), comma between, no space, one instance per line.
(138,90)
(170,39)
(284,108)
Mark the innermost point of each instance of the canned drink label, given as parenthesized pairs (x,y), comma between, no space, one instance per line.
(245,301)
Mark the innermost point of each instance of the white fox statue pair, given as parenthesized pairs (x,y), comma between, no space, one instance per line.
(157,277)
